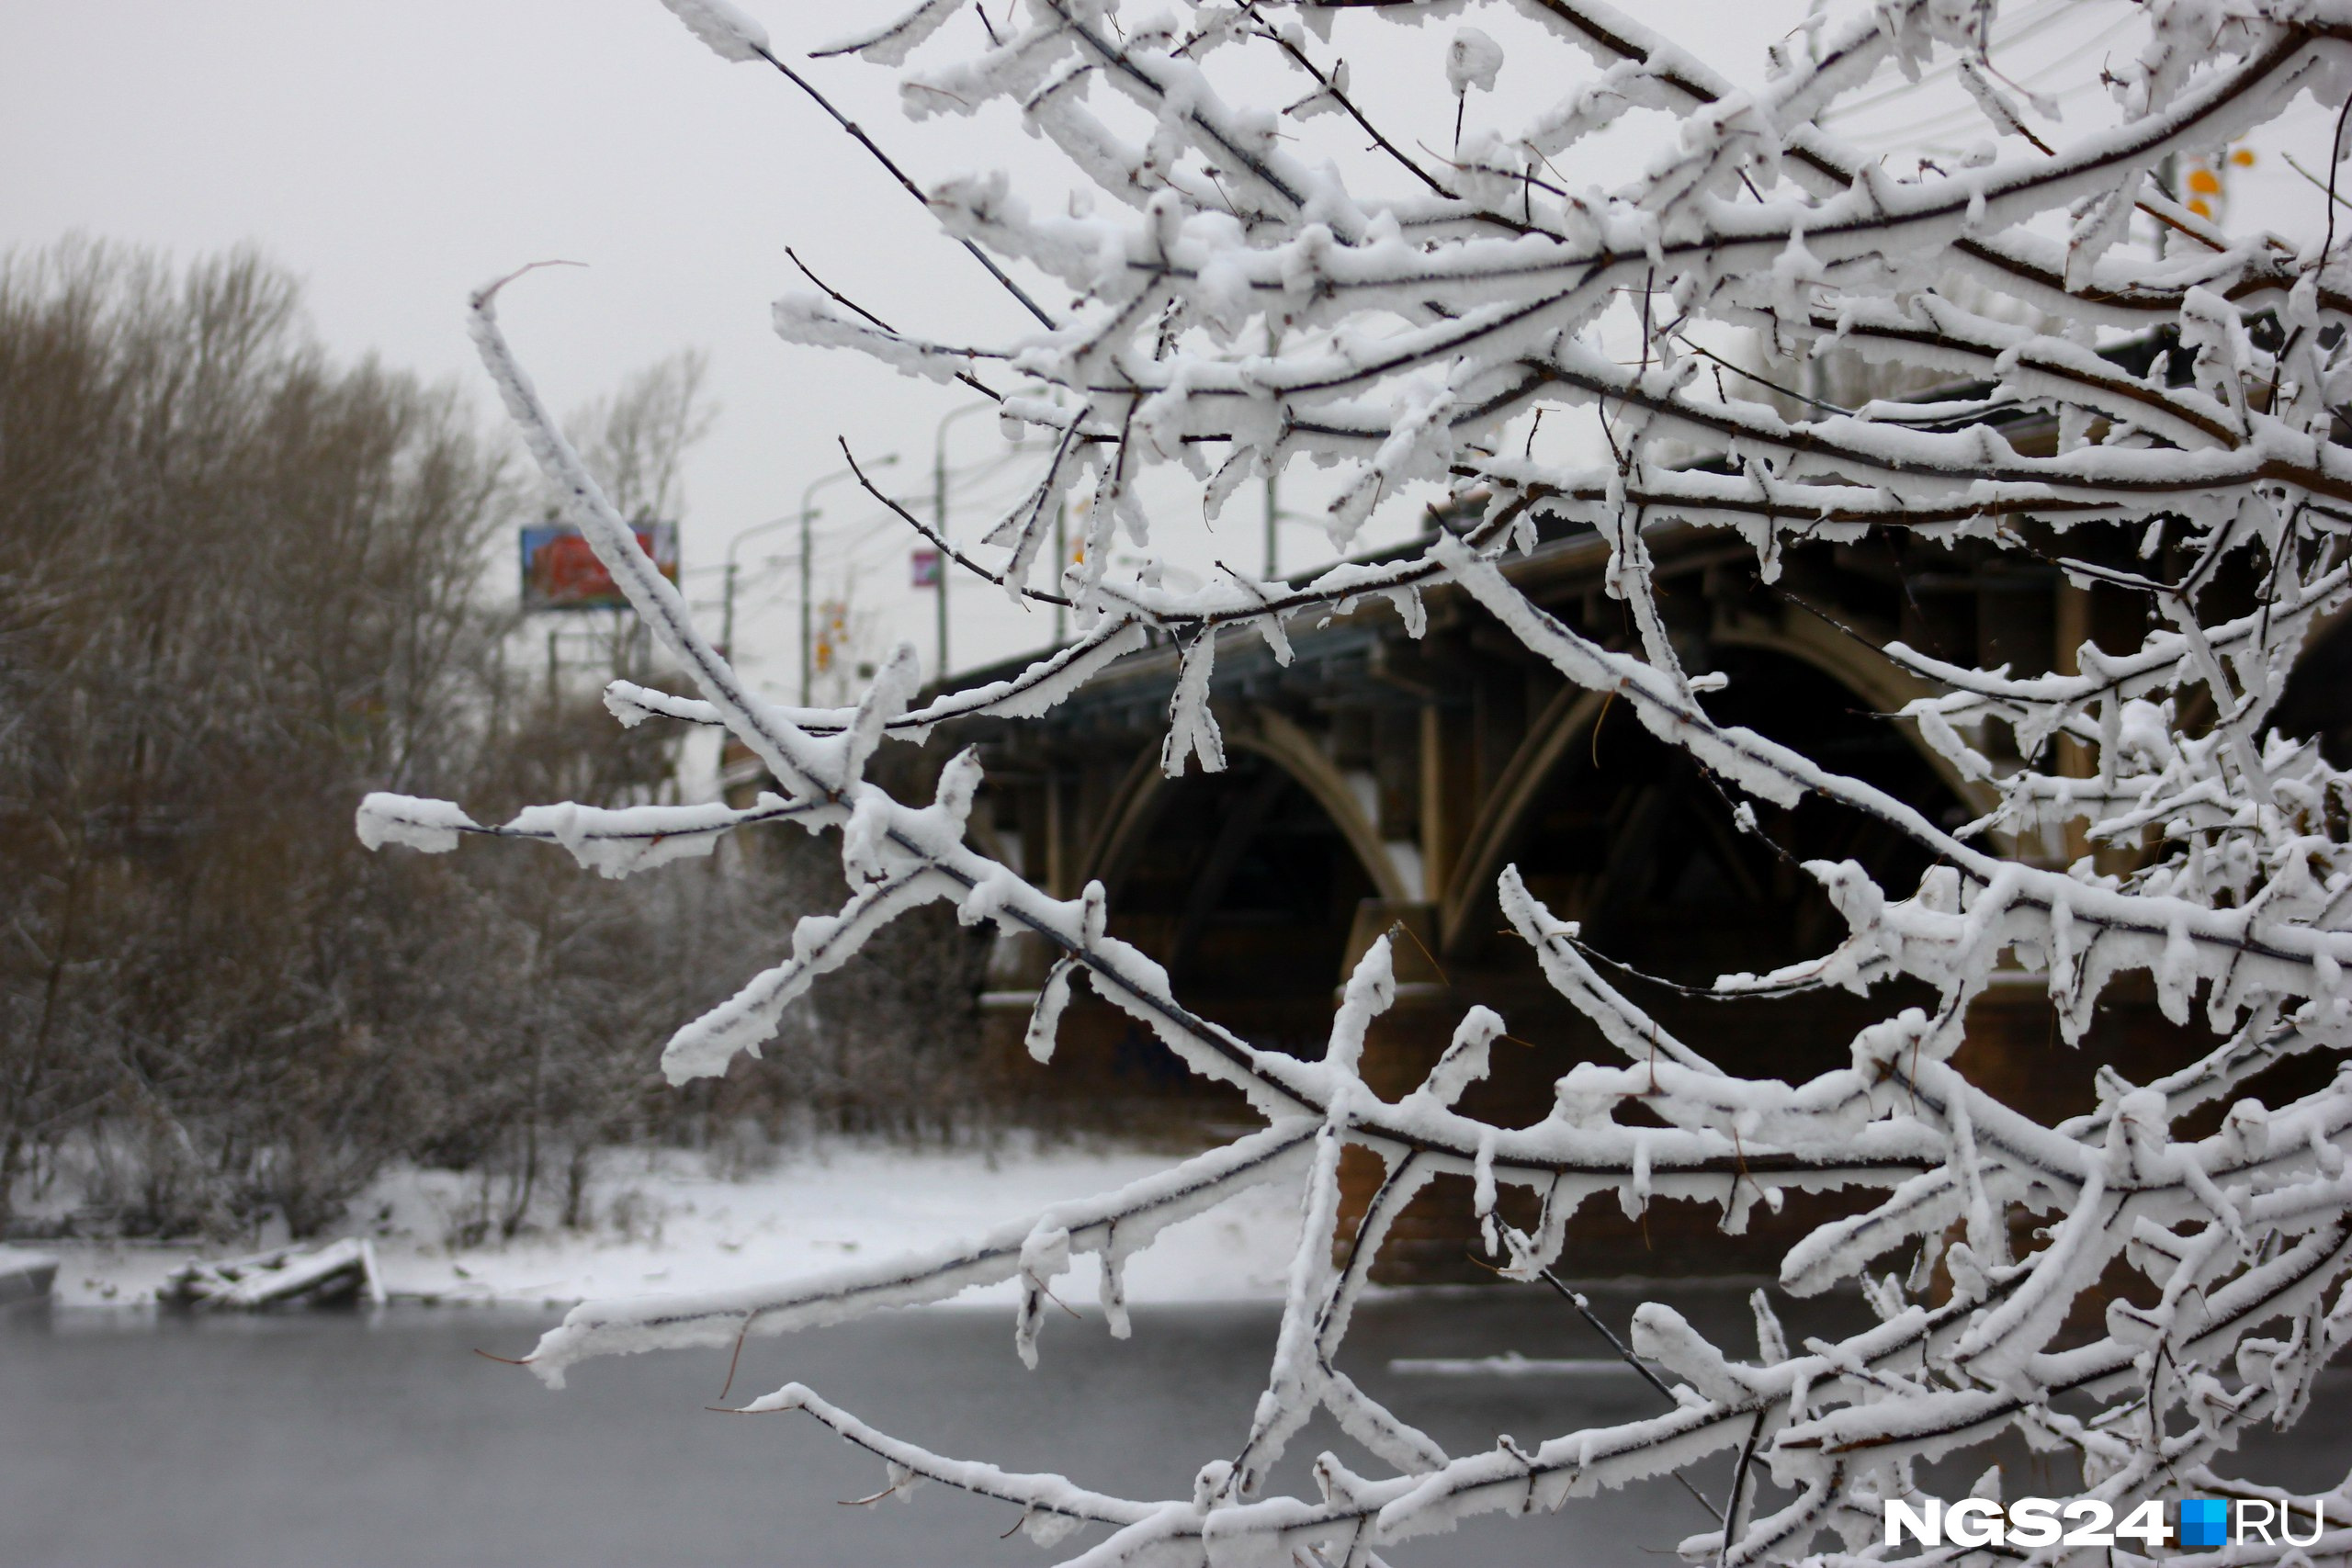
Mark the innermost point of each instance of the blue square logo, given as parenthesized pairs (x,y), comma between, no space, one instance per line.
(2204,1521)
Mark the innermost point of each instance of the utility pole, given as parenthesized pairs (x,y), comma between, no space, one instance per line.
(1274,514)
(727,597)
(939,521)
(808,644)
(1061,566)
(808,514)
(808,571)
(727,592)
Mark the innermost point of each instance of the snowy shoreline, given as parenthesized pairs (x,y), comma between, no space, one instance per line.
(665,1221)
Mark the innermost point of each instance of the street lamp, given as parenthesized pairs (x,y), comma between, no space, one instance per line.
(939,520)
(805,516)
(807,568)
(726,594)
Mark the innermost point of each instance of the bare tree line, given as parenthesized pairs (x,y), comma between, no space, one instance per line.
(240,583)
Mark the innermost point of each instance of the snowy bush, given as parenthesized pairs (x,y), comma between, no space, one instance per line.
(1428,305)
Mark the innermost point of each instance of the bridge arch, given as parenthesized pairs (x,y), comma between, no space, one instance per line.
(2311,705)
(1134,809)
(1588,771)
(1244,883)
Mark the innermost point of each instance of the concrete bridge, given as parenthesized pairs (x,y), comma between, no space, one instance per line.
(1379,783)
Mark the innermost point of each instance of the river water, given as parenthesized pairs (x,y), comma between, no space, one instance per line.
(361,1439)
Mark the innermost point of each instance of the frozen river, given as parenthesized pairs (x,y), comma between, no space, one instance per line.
(360,1440)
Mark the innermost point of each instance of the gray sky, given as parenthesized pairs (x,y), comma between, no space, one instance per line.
(396,153)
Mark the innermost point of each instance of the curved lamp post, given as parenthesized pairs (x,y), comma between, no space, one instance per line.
(939,520)
(807,515)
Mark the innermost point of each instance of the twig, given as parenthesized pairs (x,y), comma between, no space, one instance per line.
(2334,161)
(936,539)
(843,300)
(1738,1487)
(858,134)
(1584,1310)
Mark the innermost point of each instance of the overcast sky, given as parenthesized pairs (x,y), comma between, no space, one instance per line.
(395,153)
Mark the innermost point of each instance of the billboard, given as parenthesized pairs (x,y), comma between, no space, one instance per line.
(560,572)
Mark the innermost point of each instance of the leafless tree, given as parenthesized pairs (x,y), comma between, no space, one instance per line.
(234,573)
(239,582)
(635,439)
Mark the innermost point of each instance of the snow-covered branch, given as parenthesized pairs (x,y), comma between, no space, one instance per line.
(2142,403)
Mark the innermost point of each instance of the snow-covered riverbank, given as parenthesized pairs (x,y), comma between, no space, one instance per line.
(666,1222)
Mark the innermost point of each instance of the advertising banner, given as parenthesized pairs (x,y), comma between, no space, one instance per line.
(560,572)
